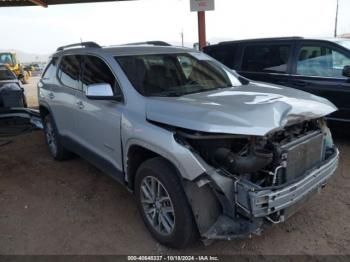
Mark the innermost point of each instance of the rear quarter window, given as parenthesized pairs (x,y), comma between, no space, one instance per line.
(51,69)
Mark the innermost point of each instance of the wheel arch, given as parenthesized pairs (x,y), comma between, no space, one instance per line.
(44,110)
(136,155)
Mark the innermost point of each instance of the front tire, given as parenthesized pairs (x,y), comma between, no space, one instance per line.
(163,204)
(53,142)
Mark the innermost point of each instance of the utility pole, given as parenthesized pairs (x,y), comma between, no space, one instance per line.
(182,36)
(336,20)
(202,39)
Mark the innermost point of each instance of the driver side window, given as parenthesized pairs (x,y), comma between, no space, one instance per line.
(321,61)
(96,71)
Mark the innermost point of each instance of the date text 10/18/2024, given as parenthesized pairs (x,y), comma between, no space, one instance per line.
(173,258)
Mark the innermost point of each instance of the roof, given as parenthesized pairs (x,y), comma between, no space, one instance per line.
(45,3)
(291,38)
(263,39)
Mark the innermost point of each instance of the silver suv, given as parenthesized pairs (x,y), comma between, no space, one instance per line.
(207,153)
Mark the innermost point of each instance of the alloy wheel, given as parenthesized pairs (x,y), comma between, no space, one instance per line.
(157,205)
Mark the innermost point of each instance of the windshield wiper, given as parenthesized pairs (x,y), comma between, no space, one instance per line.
(207,90)
(169,94)
(172,93)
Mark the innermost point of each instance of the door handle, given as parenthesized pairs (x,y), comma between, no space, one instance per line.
(301,83)
(51,95)
(282,82)
(80,104)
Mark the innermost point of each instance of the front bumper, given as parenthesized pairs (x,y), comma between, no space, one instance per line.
(253,205)
(258,202)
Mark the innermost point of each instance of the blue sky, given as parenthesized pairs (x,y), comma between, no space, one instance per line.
(40,30)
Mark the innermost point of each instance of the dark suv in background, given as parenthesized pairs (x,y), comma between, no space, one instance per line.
(318,66)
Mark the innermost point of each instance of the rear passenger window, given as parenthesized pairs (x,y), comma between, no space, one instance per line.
(96,71)
(266,58)
(69,71)
(51,69)
(225,54)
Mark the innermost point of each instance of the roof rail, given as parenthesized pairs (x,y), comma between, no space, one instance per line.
(82,44)
(262,39)
(157,43)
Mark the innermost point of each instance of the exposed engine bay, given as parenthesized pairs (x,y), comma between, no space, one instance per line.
(271,173)
(261,159)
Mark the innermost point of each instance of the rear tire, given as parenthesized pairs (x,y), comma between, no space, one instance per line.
(53,142)
(163,204)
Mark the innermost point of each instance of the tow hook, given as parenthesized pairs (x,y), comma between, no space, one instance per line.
(322,187)
(281,219)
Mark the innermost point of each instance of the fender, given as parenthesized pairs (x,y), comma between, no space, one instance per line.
(153,148)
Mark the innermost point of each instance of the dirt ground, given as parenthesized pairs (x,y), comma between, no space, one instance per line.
(30,91)
(50,207)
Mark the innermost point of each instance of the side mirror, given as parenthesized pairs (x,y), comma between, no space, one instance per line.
(101,91)
(20,76)
(346,71)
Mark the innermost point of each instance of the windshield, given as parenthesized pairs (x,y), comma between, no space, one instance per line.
(6,74)
(344,43)
(175,74)
(6,58)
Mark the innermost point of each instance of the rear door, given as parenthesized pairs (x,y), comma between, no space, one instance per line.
(61,96)
(317,69)
(266,61)
(99,121)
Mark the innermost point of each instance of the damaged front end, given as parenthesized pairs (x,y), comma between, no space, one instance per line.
(256,180)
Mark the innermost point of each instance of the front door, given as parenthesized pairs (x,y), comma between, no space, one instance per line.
(99,121)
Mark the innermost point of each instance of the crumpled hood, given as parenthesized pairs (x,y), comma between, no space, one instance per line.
(253,109)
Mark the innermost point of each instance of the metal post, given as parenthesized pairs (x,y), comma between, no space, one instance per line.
(182,36)
(336,20)
(201,30)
